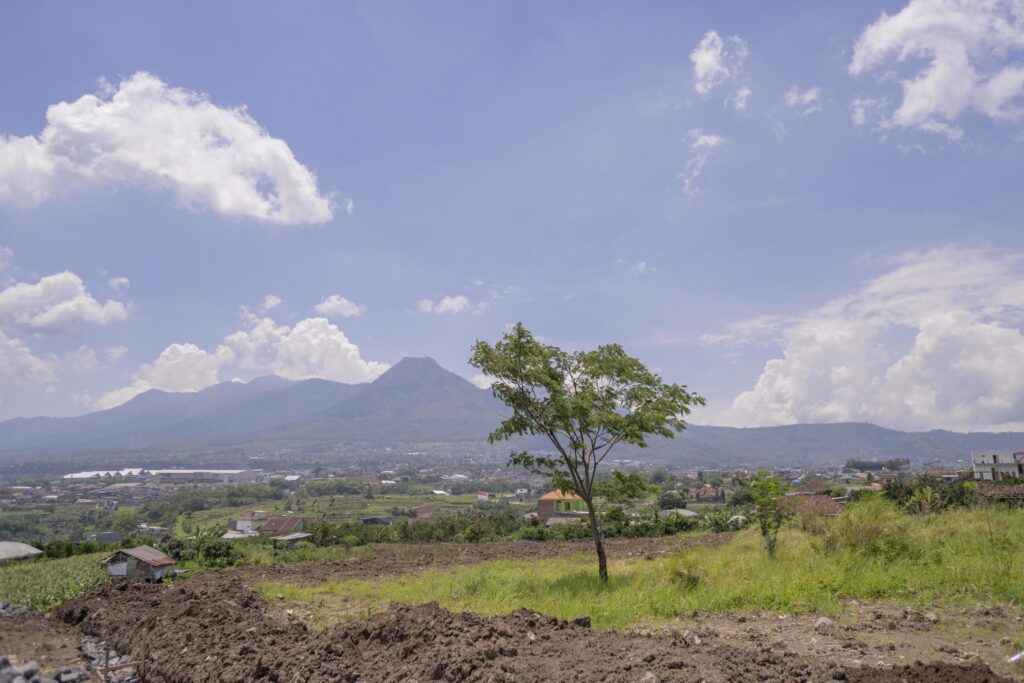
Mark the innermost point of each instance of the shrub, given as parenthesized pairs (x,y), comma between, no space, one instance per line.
(872,528)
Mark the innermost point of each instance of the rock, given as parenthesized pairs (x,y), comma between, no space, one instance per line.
(838,675)
(931,617)
(649,677)
(823,624)
(28,670)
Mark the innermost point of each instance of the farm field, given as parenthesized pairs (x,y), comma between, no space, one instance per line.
(346,508)
(960,559)
(44,584)
(869,640)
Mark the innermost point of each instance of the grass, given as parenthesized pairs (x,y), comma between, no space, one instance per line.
(953,559)
(45,584)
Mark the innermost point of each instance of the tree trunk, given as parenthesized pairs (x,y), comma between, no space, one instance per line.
(595,531)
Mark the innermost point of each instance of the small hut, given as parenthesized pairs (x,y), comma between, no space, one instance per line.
(141,562)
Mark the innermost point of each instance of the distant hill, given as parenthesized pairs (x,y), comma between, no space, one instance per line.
(158,418)
(418,401)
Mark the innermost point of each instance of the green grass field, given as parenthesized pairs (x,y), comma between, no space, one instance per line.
(957,558)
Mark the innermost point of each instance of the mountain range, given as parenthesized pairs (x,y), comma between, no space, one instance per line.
(418,401)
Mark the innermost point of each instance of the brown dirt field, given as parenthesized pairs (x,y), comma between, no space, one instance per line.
(212,627)
(393,559)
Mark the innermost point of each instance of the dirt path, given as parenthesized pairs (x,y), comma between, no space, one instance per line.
(212,627)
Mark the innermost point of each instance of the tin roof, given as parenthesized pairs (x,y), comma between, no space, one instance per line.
(12,550)
(988,489)
(291,537)
(281,525)
(145,553)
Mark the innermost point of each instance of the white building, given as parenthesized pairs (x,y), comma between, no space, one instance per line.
(996,465)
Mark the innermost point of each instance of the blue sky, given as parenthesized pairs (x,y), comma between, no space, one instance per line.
(807,213)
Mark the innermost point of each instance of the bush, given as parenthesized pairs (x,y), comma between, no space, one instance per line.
(872,528)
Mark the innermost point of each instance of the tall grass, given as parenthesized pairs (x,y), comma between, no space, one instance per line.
(872,552)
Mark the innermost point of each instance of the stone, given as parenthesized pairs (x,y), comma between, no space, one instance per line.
(823,624)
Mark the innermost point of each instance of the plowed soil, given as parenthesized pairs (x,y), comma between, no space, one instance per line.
(212,627)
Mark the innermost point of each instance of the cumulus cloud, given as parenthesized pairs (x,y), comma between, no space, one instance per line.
(6,257)
(807,102)
(314,347)
(337,306)
(701,146)
(934,343)
(118,282)
(18,365)
(716,61)
(146,132)
(179,367)
(969,48)
(270,302)
(452,304)
(56,304)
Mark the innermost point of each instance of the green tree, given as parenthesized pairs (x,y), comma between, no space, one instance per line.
(585,403)
(126,522)
(770,508)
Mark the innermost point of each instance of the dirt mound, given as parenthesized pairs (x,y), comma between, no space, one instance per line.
(209,628)
(938,672)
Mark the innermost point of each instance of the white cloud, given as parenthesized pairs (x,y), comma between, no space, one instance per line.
(56,304)
(701,146)
(270,302)
(18,365)
(716,61)
(935,343)
(180,367)
(967,46)
(452,304)
(862,107)
(118,282)
(481,380)
(350,205)
(145,132)
(808,101)
(738,100)
(81,360)
(314,347)
(337,306)
(115,353)
(641,267)
(6,257)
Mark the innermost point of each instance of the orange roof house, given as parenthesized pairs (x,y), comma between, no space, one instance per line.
(557,503)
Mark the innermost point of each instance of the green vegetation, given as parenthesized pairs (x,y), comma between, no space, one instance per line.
(770,508)
(871,552)
(339,508)
(39,525)
(44,584)
(877,465)
(585,403)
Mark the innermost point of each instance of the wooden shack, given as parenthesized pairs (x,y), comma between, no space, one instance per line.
(141,562)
